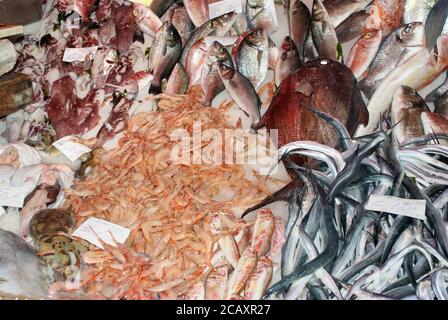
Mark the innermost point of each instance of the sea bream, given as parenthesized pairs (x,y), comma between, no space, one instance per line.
(323,84)
(252,56)
(211,82)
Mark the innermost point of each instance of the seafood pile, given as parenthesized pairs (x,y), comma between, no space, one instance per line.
(353,204)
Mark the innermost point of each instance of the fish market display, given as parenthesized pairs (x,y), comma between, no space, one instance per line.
(226,150)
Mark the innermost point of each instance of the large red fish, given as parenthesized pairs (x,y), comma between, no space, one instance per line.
(326,85)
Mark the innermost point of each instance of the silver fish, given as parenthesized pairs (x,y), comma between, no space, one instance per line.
(288,61)
(323,32)
(164,54)
(218,26)
(242,91)
(416,72)
(340,11)
(22,273)
(261,14)
(418,10)
(180,19)
(395,49)
(210,80)
(352,27)
(252,57)
(299,24)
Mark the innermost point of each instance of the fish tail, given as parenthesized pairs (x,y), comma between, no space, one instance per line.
(435,22)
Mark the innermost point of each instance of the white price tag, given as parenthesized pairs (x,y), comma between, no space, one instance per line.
(78,54)
(144,2)
(71,149)
(226,41)
(404,207)
(108,232)
(219,8)
(13,196)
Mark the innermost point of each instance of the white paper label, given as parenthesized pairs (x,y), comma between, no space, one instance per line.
(71,149)
(219,8)
(404,207)
(108,232)
(13,196)
(224,40)
(78,54)
(145,2)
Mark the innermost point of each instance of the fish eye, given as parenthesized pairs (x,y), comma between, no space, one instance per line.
(407,29)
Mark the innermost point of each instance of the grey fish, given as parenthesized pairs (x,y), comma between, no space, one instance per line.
(395,49)
(352,27)
(252,56)
(340,11)
(210,80)
(164,54)
(406,110)
(438,92)
(288,61)
(261,14)
(159,7)
(178,81)
(218,26)
(179,18)
(242,91)
(22,273)
(323,32)
(299,24)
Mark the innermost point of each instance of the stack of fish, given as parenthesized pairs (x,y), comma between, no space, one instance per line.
(349,130)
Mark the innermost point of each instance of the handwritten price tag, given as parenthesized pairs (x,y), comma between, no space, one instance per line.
(71,149)
(219,8)
(13,196)
(78,54)
(95,228)
(404,207)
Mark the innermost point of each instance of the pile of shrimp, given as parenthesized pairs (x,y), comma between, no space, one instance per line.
(171,209)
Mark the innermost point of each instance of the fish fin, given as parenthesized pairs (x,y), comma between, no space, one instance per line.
(435,22)
(281,195)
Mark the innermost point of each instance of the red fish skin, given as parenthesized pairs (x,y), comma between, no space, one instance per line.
(334,91)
